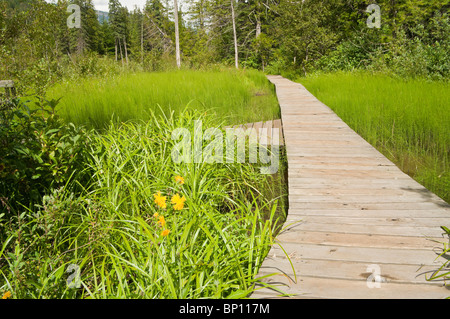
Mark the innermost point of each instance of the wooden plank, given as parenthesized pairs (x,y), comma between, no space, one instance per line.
(343,166)
(6,84)
(277,125)
(363,219)
(363,173)
(335,269)
(368,255)
(338,191)
(258,125)
(265,133)
(358,240)
(349,207)
(375,161)
(408,231)
(313,287)
(386,213)
(365,206)
(268,125)
(339,180)
(412,198)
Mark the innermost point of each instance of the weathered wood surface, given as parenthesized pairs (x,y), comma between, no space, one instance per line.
(10,89)
(269,126)
(6,83)
(349,208)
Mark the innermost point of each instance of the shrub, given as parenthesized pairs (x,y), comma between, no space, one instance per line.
(38,151)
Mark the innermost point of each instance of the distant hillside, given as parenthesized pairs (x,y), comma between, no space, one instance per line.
(102,16)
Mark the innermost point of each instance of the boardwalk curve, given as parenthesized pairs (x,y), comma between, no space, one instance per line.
(364,228)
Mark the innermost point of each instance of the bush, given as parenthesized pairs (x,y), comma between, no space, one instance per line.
(38,151)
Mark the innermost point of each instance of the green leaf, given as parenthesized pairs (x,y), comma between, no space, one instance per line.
(59,273)
(52,131)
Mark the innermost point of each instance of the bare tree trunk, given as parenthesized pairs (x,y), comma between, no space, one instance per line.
(306,60)
(258,20)
(142,40)
(115,48)
(258,27)
(125,47)
(120,47)
(177,34)
(236,58)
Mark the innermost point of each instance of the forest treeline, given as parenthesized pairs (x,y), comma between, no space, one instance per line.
(299,37)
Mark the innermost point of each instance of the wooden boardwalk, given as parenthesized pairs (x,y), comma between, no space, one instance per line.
(269,127)
(357,214)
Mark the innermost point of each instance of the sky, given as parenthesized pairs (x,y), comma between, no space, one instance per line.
(102,5)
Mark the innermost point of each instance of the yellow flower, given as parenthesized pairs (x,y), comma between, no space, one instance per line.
(179,180)
(178,202)
(6,295)
(162,221)
(160,200)
(165,232)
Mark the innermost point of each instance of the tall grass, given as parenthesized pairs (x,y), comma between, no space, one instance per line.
(235,96)
(407,120)
(113,231)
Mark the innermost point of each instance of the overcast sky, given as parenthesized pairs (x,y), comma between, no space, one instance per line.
(102,5)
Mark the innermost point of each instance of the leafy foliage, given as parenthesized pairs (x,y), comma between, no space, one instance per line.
(443,272)
(38,152)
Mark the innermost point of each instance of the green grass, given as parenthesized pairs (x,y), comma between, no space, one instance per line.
(235,97)
(407,120)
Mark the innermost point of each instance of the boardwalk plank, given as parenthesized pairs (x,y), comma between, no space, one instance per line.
(349,207)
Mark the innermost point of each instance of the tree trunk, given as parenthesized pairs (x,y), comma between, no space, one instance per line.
(306,61)
(177,34)
(120,48)
(258,28)
(236,58)
(115,48)
(142,40)
(125,47)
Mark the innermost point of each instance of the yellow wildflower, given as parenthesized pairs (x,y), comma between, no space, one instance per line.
(160,200)
(162,221)
(156,215)
(6,295)
(165,232)
(179,180)
(178,202)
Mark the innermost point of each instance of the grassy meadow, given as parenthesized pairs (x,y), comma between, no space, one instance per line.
(407,120)
(235,97)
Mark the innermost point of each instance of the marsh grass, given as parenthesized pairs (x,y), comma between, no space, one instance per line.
(233,96)
(407,120)
(215,246)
